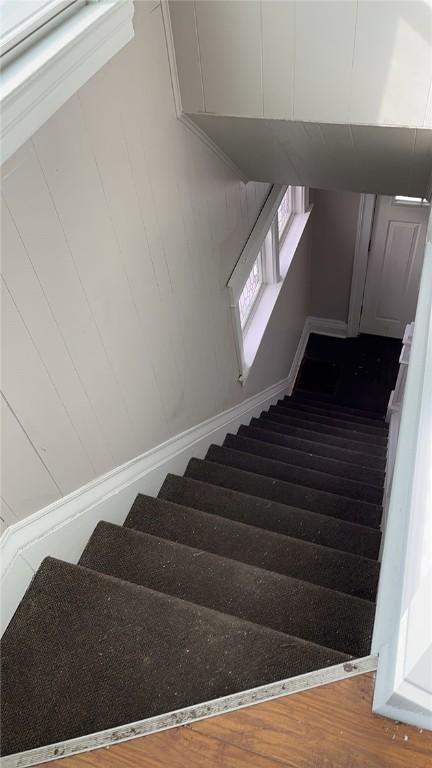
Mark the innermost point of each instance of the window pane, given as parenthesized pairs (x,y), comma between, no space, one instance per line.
(250,290)
(412,200)
(284,212)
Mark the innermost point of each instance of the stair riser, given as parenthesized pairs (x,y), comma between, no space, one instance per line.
(353,575)
(290,402)
(328,404)
(258,442)
(285,493)
(348,434)
(363,429)
(321,437)
(309,612)
(272,516)
(279,434)
(238,457)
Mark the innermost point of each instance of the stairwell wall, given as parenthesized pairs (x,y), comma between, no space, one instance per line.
(120,230)
(334,222)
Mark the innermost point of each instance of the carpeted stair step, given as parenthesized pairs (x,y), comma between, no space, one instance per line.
(284,415)
(361,512)
(297,608)
(227,538)
(307,433)
(304,407)
(269,515)
(85,652)
(316,400)
(233,454)
(292,409)
(257,441)
(278,434)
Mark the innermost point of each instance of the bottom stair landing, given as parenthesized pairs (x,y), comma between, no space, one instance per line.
(259,565)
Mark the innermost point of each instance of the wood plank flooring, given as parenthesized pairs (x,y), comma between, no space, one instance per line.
(327,727)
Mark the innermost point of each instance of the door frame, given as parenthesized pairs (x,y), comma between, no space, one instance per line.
(361,255)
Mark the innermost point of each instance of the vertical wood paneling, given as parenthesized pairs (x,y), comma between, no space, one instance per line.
(324,43)
(278,24)
(31,393)
(26,483)
(27,293)
(230,46)
(121,229)
(187,54)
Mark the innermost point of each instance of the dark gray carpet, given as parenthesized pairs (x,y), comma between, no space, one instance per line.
(260,563)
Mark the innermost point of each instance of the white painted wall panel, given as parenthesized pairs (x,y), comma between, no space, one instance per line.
(183,22)
(121,230)
(230,45)
(324,42)
(278,32)
(392,66)
(26,482)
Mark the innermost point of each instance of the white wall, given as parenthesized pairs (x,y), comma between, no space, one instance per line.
(120,230)
(365,62)
(334,228)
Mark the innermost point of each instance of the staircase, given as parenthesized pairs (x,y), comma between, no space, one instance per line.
(259,564)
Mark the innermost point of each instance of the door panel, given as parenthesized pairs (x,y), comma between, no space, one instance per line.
(394,267)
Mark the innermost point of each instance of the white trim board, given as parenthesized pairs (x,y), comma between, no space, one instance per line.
(360,262)
(193,713)
(181,115)
(63,528)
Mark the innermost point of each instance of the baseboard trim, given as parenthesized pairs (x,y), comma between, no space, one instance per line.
(192,714)
(63,528)
(321,325)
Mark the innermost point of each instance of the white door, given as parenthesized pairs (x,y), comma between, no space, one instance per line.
(394,266)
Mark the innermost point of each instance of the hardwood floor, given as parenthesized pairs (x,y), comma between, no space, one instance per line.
(327,727)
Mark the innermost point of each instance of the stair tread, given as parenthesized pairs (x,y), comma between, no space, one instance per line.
(284,414)
(234,452)
(326,417)
(313,398)
(323,437)
(304,497)
(295,607)
(303,440)
(257,441)
(321,409)
(269,515)
(118,652)
(332,568)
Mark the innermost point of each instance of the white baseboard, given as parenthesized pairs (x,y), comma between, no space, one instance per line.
(322,326)
(63,528)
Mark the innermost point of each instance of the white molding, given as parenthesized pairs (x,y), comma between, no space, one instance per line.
(361,254)
(402,632)
(193,713)
(181,115)
(63,528)
(35,84)
(321,325)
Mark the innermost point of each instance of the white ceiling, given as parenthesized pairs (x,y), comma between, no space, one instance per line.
(359,158)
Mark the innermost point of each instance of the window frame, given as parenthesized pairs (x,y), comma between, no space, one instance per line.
(48,67)
(38,24)
(265,240)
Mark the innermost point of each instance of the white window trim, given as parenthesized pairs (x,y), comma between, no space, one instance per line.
(41,78)
(248,340)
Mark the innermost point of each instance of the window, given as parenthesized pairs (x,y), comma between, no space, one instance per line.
(284,213)
(402,199)
(22,19)
(49,49)
(251,290)
(258,275)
